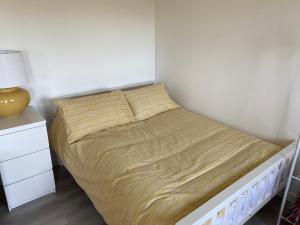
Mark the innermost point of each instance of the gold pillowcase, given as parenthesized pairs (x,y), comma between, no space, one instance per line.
(86,115)
(149,101)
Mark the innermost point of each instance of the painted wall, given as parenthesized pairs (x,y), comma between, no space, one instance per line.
(235,61)
(80,45)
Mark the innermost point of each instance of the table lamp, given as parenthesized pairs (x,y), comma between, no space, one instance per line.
(13,100)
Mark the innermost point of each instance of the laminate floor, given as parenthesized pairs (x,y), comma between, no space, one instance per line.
(71,206)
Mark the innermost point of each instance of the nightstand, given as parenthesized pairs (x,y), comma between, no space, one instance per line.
(25,161)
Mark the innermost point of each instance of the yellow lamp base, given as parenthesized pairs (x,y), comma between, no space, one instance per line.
(13,101)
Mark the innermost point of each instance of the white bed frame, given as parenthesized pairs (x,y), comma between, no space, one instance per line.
(240,201)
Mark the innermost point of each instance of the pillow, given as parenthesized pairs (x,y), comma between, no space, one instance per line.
(149,101)
(87,115)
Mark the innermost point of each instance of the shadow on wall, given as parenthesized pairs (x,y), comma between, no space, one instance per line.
(237,62)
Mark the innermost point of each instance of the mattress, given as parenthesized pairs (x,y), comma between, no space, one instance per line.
(155,172)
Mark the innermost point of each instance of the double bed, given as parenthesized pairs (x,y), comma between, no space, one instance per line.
(176,167)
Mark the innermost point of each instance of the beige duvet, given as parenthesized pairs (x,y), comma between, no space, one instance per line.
(157,171)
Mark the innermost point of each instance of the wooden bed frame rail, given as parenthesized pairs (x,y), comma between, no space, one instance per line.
(240,201)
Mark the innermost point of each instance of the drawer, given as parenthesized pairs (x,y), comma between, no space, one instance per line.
(23,142)
(27,190)
(26,166)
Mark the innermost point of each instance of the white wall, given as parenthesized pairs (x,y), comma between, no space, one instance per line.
(235,61)
(80,45)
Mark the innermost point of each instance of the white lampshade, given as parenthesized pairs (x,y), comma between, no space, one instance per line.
(12,69)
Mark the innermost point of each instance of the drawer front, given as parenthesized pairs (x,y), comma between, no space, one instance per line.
(24,142)
(24,167)
(30,189)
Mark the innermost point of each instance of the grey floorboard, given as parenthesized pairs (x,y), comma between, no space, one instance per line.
(70,206)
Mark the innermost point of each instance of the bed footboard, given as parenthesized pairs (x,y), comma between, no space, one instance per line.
(239,202)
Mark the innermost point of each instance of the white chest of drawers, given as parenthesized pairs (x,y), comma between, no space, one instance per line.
(25,161)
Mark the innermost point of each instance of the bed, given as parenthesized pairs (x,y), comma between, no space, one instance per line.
(176,167)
